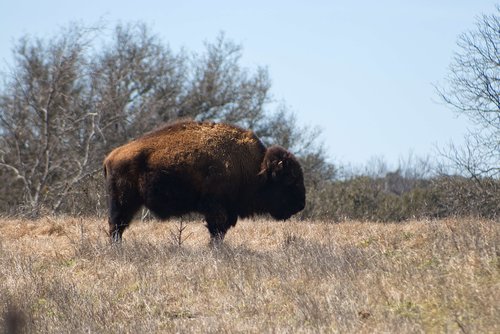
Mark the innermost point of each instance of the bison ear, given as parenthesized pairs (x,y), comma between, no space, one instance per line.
(277,170)
(272,170)
(275,163)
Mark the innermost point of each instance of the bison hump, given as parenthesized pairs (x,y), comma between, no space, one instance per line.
(198,144)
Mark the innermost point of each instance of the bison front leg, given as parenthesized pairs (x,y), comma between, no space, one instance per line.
(218,222)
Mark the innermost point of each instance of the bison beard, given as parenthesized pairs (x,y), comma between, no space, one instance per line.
(218,170)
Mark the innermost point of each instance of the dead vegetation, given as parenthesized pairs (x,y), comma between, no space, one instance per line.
(61,275)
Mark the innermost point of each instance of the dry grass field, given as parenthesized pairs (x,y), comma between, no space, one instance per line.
(60,275)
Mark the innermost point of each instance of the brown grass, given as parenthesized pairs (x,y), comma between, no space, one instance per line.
(61,275)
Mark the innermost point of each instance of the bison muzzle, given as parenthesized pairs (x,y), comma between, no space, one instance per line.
(218,170)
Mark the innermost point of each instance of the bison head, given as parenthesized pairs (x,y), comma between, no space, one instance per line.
(284,191)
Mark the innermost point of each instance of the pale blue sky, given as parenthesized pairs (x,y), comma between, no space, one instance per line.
(361,70)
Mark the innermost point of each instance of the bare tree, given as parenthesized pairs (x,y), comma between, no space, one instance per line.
(46,129)
(473,89)
(137,83)
(219,88)
(63,108)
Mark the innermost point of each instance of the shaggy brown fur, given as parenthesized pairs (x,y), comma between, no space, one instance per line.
(218,170)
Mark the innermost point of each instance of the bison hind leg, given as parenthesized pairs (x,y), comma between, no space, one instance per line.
(118,222)
(120,216)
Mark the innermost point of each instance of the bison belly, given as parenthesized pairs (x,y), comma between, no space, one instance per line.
(168,194)
(186,188)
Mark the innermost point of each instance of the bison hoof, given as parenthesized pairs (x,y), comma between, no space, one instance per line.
(216,240)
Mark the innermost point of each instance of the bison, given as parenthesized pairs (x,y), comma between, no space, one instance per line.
(218,170)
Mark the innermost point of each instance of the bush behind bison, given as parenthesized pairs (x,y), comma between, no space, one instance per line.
(218,170)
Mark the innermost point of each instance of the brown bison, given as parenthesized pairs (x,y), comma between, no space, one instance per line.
(218,170)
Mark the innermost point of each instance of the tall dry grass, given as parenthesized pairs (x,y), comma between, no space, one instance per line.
(61,275)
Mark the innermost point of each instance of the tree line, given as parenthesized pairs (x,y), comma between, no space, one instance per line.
(66,101)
